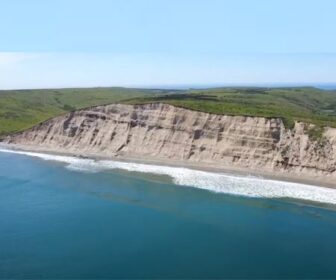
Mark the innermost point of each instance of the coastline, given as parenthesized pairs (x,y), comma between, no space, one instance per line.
(316,181)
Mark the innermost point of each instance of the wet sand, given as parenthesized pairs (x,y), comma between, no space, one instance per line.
(280,175)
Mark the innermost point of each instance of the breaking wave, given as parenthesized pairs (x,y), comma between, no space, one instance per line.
(216,182)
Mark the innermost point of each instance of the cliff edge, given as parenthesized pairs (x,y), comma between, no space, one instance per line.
(160,131)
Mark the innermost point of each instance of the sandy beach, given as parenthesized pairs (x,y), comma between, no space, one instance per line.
(316,180)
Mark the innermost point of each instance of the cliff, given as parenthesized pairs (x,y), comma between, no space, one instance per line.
(160,131)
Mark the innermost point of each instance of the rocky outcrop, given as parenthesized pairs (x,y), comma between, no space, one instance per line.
(161,131)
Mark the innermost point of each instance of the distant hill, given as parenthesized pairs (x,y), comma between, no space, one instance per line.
(21,109)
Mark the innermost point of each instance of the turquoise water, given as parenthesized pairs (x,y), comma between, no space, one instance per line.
(61,223)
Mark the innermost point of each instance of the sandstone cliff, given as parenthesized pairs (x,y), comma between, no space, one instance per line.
(160,131)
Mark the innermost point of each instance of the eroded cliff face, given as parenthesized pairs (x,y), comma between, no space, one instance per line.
(160,131)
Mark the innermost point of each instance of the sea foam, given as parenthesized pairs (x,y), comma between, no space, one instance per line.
(216,182)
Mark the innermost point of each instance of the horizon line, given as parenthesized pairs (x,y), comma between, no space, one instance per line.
(322,85)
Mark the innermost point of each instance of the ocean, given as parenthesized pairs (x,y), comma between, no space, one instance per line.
(64,217)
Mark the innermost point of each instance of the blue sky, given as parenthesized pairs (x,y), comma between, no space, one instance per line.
(150,43)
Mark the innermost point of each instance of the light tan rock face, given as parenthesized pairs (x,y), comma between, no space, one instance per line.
(160,131)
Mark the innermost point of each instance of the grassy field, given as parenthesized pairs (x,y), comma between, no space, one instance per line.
(22,109)
(308,104)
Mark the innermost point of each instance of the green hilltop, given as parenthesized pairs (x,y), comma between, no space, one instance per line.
(21,109)
(306,104)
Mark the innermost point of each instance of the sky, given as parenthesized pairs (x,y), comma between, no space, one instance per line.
(150,43)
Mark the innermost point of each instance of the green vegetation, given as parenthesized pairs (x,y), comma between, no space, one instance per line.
(315,133)
(21,109)
(308,104)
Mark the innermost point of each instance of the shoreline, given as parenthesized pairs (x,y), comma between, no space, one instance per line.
(317,181)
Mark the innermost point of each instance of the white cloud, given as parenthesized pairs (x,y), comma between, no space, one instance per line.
(45,70)
(11,59)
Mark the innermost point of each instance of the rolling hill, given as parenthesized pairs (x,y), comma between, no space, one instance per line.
(21,109)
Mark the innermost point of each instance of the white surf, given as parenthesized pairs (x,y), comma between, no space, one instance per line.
(216,182)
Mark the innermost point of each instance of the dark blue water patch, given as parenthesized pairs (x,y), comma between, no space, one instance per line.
(55,223)
(327,86)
